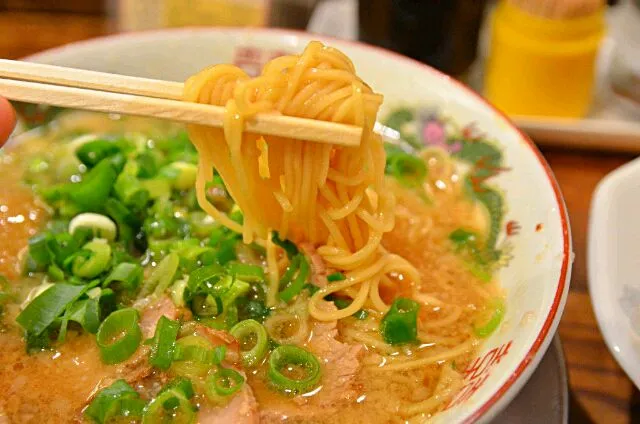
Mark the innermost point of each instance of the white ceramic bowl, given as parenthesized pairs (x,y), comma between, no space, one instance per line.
(614,262)
(536,279)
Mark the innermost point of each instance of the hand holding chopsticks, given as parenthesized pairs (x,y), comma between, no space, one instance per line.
(103,92)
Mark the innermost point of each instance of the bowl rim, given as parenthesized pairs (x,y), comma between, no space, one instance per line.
(544,336)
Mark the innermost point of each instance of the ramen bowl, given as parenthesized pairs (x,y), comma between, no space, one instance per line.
(420,103)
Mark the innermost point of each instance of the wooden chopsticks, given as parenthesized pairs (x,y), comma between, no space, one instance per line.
(104,92)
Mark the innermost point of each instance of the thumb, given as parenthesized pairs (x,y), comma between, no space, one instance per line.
(7,120)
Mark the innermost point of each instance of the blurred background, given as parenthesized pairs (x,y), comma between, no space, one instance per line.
(536,60)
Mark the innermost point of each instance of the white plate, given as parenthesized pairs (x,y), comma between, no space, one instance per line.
(614,264)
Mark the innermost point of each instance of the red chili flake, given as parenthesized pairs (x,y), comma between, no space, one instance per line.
(538,228)
(513,228)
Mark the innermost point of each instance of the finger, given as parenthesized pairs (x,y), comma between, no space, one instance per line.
(7,120)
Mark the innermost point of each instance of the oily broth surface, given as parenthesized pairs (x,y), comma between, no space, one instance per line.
(50,386)
(53,386)
(382,395)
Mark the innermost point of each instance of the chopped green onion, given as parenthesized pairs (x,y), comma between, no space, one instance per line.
(360,314)
(287,328)
(207,306)
(129,276)
(97,261)
(287,358)
(177,292)
(61,247)
(219,352)
(336,276)
(493,323)
(164,343)
(185,175)
(211,290)
(181,384)
(253,340)
(128,187)
(156,188)
(293,288)
(148,163)
(192,356)
(400,323)
(170,406)
(311,288)
(128,223)
(117,400)
(86,312)
(91,193)
(162,276)
(55,273)
(343,303)
(205,277)
(47,306)
(287,245)
(39,251)
(252,309)
(119,336)
(201,224)
(224,382)
(246,272)
(409,170)
(92,152)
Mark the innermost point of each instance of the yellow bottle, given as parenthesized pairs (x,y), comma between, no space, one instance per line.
(542,67)
(134,15)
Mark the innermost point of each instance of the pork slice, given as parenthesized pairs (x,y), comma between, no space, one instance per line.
(340,365)
(242,409)
(217,338)
(153,311)
(137,371)
(318,267)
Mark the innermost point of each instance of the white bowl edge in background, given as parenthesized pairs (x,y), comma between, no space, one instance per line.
(614,264)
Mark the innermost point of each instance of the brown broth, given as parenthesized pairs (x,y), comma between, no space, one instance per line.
(53,386)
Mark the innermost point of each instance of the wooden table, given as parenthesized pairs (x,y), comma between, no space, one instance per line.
(600,391)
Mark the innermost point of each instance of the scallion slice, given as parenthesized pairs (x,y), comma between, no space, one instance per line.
(119,336)
(92,152)
(224,382)
(400,323)
(91,193)
(409,170)
(253,339)
(293,370)
(47,306)
(117,400)
(496,318)
(129,276)
(162,276)
(336,276)
(101,226)
(164,343)
(287,245)
(294,287)
(170,406)
(246,272)
(192,357)
(96,262)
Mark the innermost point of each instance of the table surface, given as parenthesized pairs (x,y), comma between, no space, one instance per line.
(600,391)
